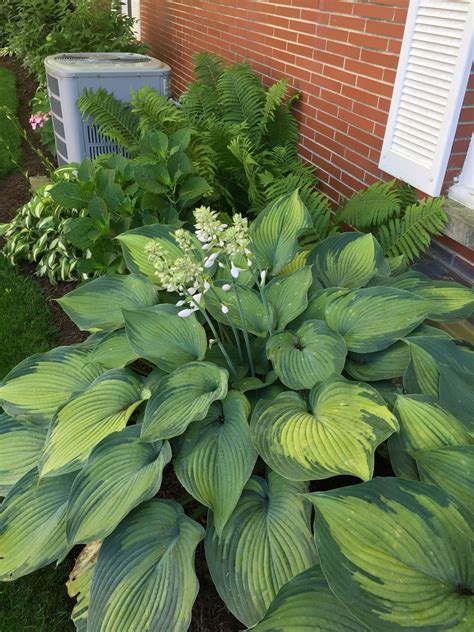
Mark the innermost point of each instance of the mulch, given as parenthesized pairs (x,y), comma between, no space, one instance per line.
(209,612)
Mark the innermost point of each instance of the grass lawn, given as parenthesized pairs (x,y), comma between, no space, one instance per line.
(39,601)
(9,136)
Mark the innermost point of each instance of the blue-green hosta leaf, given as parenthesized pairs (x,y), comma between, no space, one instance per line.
(275,231)
(121,472)
(424,424)
(79,584)
(337,435)
(144,577)
(456,393)
(397,554)
(317,305)
(98,304)
(373,318)
(20,448)
(87,418)
(158,334)
(134,242)
(182,397)
(34,389)
(33,524)
(347,260)
(288,295)
(450,301)
(112,350)
(216,456)
(265,543)
(307,604)
(256,318)
(381,365)
(451,468)
(308,355)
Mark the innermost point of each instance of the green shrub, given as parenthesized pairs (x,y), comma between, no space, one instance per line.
(261,368)
(10,139)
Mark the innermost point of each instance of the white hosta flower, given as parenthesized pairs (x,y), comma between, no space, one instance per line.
(263,276)
(212,341)
(184,313)
(226,287)
(235,271)
(207,226)
(224,309)
(210,260)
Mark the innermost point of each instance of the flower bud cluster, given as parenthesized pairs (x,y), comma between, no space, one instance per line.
(39,119)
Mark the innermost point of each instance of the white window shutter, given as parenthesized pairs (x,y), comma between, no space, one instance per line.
(433,70)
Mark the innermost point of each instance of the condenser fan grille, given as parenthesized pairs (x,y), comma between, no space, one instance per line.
(113,59)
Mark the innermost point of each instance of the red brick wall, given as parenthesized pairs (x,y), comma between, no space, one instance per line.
(341,54)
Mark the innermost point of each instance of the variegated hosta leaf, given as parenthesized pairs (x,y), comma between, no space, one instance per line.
(98,304)
(134,242)
(373,318)
(337,435)
(111,350)
(33,524)
(34,389)
(397,554)
(182,397)
(451,468)
(381,365)
(121,472)
(215,457)
(257,318)
(298,261)
(276,229)
(144,577)
(317,305)
(456,393)
(86,419)
(347,260)
(288,295)
(265,543)
(308,355)
(161,336)
(424,424)
(20,448)
(79,584)
(451,301)
(307,604)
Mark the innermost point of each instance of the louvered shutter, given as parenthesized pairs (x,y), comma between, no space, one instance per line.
(432,75)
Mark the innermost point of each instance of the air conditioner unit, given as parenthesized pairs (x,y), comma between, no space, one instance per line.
(69,74)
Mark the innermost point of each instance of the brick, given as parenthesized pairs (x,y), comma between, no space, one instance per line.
(343,49)
(374,86)
(368,41)
(385,29)
(369,10)
(379,59)
(330,33)
(351,23)
(361,96)
(361,68)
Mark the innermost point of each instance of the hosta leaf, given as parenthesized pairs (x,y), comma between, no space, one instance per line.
(424,424)
(144,577)
(373,318)
(257,320)
(276,229)
(265,543)
(337,435)
(450,301)
(307,604)
(397,554)
(288,295)
(86,419)
(112,350)
(79,584)
(32,524)
(134,243)
(317,305)
(182,397)
(33,390)
(160,335)
(308,355)
(20,448)
(381,365)
(456,393)
(451,468)
(98,304)
(121,472)
(347,260)
(216,456)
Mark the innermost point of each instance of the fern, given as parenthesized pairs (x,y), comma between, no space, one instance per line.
(157,112)
(407,194)
(273,100)
(372,206)
(114,119)
(410,235)
(199,102)
(283,129)
(208,68)
(241,148)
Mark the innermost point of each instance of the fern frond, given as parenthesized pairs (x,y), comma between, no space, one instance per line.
(282,129)
(241,96)
(198,102)
(371,207)
(407,194)
(112,117)
(273,99)
(208,68)
(410,235)
(242,149)
(156,112)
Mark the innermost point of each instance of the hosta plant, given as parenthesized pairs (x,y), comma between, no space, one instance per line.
(260,374)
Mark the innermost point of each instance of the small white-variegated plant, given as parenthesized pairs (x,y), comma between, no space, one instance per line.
(255,370)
